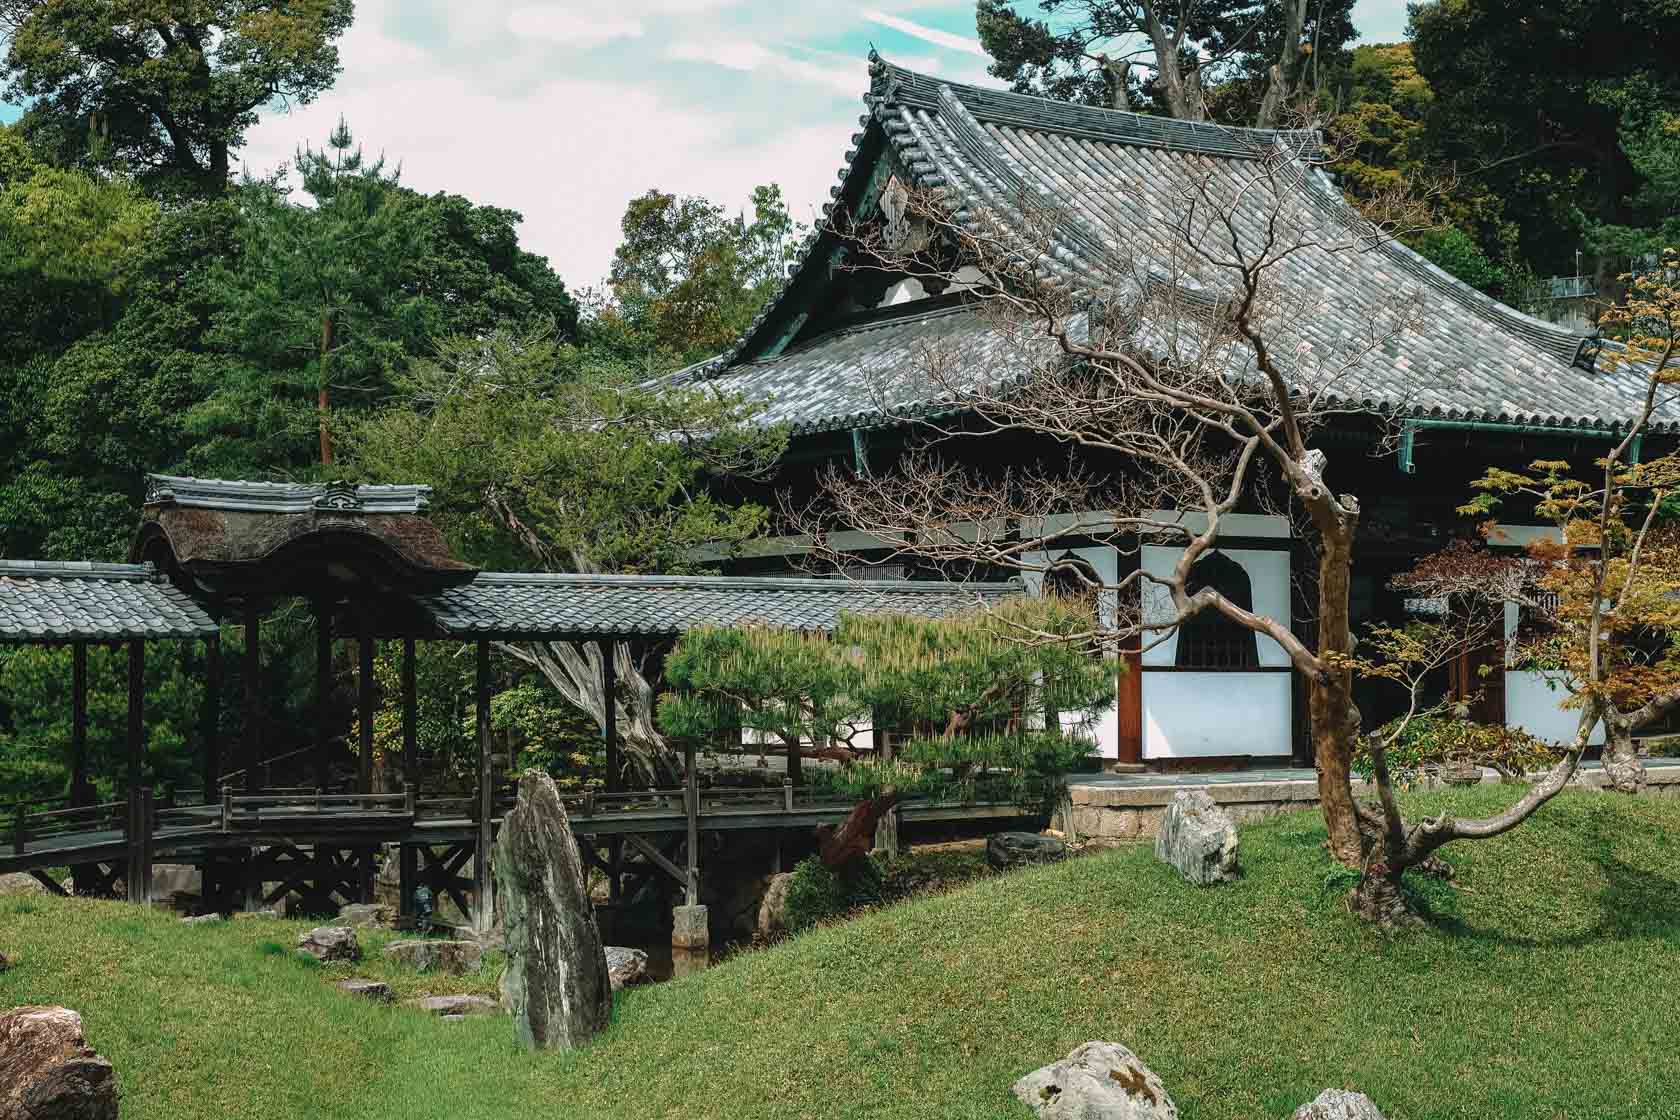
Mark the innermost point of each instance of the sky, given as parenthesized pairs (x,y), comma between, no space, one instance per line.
(564,110)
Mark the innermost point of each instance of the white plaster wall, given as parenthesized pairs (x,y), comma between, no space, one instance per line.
(1533,698)
(1195,715)
(1268,577)
(1106,728)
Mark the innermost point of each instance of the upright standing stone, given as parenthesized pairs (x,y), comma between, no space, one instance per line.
(48,1071)
(556,980)
(1199,838)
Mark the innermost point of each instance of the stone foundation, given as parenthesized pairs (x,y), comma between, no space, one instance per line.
(1121,808)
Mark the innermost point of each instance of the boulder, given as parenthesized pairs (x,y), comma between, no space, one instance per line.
(20,883)
(457,958)
(1008,850)
(330,943)
(772,911)
(1199,838)
(360,915)
(626,966)
(556,979)
(171,879)
(454,1005)
(376,990)
(1338,1104)
(256,914)
(1097,1081)
(49,1072)
(202,920)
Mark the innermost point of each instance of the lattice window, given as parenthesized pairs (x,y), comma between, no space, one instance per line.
(1209,640)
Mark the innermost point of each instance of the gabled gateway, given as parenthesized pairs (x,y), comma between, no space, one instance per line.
(838,356)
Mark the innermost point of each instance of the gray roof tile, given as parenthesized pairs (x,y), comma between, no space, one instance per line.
(48,601)
(606,606)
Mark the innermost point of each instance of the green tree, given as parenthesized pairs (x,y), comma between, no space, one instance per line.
(1245,59)
(989,689)
(688,278)
(164,88)
(542,458)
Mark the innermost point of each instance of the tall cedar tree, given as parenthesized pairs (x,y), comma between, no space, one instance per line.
(164,88)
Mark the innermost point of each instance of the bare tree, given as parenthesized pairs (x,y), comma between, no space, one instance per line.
(1187,354)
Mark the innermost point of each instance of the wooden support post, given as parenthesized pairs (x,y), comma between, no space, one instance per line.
(408,857)
(323,694)
(138,837)
(886,829)
(609,719)
(80,794)
(253,697)
(364,706)
(484,890)
(210,719)
(691,803)
(20,827)
(136,712)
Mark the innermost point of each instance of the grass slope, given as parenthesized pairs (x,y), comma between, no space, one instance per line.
(1546,989)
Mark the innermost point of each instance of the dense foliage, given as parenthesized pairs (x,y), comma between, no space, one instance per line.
(1430,746)
(816,895)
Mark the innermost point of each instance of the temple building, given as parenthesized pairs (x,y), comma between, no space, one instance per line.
(840,356)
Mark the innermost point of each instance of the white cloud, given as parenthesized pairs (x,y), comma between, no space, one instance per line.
(926,34)
(849,78)
(571,28)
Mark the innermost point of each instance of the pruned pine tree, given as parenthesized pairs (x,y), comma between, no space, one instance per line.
(1009,690)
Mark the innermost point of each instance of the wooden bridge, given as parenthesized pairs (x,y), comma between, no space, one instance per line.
(257,849)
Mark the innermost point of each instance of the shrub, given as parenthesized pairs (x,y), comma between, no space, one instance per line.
(816,894)
(1430,743)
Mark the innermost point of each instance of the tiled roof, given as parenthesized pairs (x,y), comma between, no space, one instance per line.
(513,605)
(282,497)
(1117,180)
(42,601)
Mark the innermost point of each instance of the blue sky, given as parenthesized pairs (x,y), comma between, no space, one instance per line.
(565,109)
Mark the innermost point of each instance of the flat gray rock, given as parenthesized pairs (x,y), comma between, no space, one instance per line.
(1008,850)
(361,915)
(376,990)
(456,958)
(556,982)
(1338,1104)
(454,1006)
(330,943)
(1199,838)
(1097,1081)
(203,920)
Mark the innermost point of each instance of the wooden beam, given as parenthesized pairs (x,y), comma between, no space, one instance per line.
(657,857)
(79,792)
(691,805)
(210,719)
(1129,701)
(323,694)
(253,698)
(136,712)
(484,891)
(609,718)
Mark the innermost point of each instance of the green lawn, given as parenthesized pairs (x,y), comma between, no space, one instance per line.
(1547,989)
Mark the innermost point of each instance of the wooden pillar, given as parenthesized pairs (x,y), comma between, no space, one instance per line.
(323,694)
(79,792)
(691,802)
(210,719)
(1129,702)
(886,829)
(364,706)
(484,890)
(138,837)
(253,699)
(136,712)
(408,856)
(609,718)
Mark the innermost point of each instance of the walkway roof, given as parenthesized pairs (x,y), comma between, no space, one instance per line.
(46,601)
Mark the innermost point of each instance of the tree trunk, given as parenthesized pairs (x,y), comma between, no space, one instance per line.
(1335,720)
(1623,770)
(837,847)
(1379,900)
(1281,76)
(1116,73)
(321,398)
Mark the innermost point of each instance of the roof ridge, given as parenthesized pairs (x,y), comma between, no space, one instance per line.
(741,583)
(76,569)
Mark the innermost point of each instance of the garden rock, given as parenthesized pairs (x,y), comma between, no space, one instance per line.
(556,978)
(49,1072)
(202,920)
(20,883)
(376,990)
(1008,850)
(1097,1081)
(626,966)
(1199,838)
(330,943)
(360,915)
(1338,1104)
(452,1006)
(772,911)
(456,958)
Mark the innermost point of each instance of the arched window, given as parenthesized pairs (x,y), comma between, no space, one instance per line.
(1209,640)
